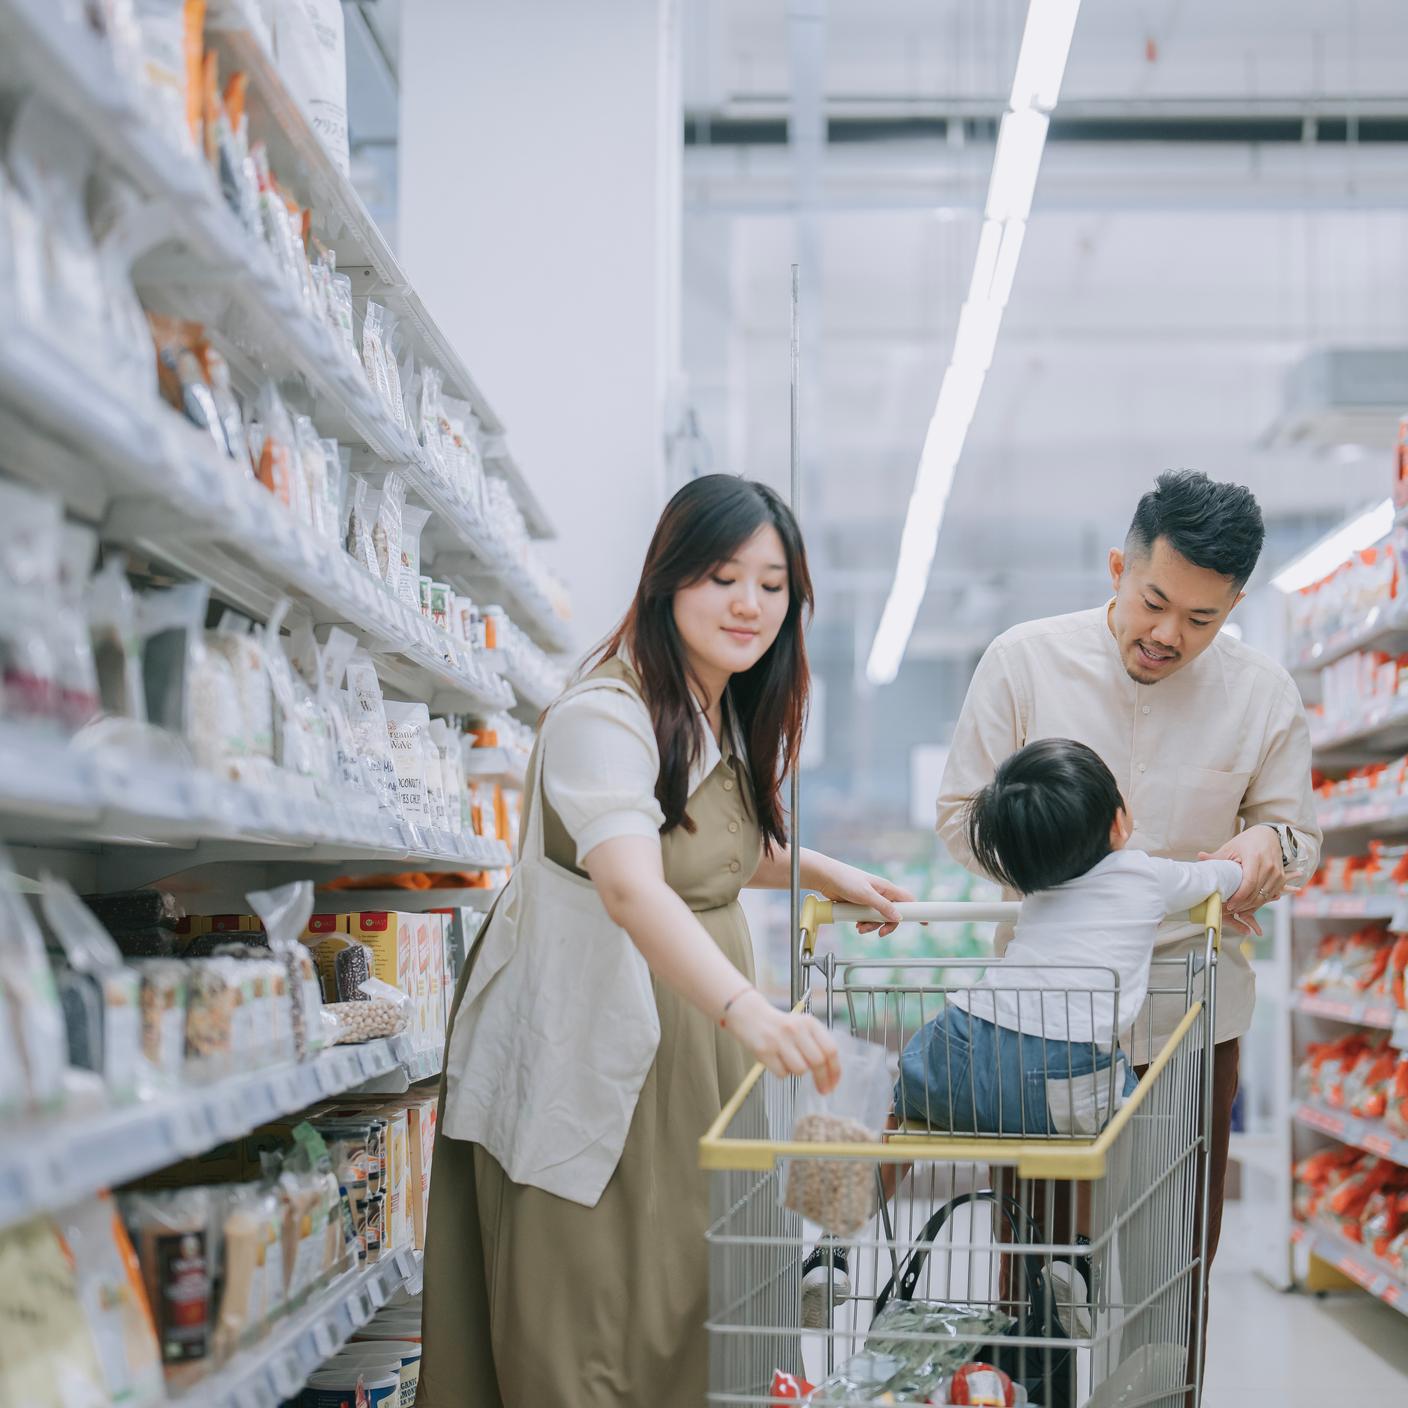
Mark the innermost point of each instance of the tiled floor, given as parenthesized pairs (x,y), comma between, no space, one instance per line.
(1298,1351)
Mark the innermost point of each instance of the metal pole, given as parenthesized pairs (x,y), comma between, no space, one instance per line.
(795,920)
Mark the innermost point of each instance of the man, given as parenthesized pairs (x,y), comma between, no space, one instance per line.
(1206,737)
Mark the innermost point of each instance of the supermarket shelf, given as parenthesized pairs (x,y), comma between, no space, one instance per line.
(160,486)
(1355,1261)
(496,765)
(1369,1135)
(1382,734)
(275,1368)
(487,575)
(1392,907)
(1381,817)
(1359,1011)
(532,694)
(408,901)
(1380,630)
(49,1164)
(163,817)
(71,66)
(362,249)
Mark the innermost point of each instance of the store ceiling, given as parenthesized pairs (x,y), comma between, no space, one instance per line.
(1165,287)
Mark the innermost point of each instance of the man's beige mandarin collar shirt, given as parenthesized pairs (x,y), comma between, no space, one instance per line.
(1220,745)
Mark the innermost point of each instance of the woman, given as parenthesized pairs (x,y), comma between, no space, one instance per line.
(583,1280)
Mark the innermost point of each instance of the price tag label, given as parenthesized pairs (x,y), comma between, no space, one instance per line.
(325,1339)
(361,1309)
(379,1293)
(287,1379)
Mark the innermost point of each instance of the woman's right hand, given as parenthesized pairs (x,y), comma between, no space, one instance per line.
(787,1043)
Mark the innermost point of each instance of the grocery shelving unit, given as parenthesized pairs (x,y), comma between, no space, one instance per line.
(127,814)
(1378,733)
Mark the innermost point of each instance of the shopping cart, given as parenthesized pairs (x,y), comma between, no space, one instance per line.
(1071,1260)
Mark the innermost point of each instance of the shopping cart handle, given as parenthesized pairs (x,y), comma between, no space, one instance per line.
(816,912)
(1208,915)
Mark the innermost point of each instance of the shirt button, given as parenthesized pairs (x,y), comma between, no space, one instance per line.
(1141,767)
(728,784)
(1145,709)
(733,826)
(734,866)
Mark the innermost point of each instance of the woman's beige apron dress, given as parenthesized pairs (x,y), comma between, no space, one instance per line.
(532,1301)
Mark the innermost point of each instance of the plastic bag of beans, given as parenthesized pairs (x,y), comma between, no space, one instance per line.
(839,1195)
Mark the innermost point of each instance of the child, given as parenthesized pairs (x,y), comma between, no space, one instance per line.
(1027,1050)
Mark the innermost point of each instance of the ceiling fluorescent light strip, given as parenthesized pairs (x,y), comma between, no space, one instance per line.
(1021,139)
(1321,558)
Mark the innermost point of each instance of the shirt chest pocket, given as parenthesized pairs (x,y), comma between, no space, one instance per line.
(1202,812)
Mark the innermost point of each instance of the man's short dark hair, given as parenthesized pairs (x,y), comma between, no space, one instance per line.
(1046,816)
(1215,526)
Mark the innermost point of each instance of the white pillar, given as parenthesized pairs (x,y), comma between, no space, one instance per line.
(539,217)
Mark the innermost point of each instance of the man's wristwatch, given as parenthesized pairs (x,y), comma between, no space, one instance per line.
(1290,849)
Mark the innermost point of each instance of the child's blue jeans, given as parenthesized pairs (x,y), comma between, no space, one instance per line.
(967,1075)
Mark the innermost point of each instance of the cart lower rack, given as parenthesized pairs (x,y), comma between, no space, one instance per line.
(1075,1263)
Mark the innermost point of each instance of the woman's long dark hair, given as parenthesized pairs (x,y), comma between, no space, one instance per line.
(702,526)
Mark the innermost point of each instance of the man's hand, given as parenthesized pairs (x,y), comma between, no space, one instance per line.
(1258,851)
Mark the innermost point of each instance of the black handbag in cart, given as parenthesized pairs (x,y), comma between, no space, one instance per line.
(1047,1375)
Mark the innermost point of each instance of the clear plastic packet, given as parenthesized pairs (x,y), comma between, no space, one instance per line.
(360,543)
(285,913)
(428,420)
(368,717)
(391,341)
(386,1011)
(271,445)
(374,355)
(245,1216)
(163,1003)
(413,521)
(76,693)
(300,734)
(51,162)
(171,1229)
(171,624)
(96,967)
(22,280)
(181,377)
(128,334)
(340,314)
(218,734)
(227,406)
(436,797)
(116,644)
(213,1000)
(387,531)
(839,1195)
(27,983)
(408,728)
(447,745)
(931,1340)
(114,1301)
(242,644)
(162,30)
(29,554)
(335,476)
(313,465)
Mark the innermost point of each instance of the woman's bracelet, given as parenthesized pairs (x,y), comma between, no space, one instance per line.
(723,1016)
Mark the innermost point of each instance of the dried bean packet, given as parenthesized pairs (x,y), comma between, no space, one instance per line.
(368,716)
(413,521)
(381,1011)
(96,966)
(313,466)
(839,1195)
(361,545)
(374,354)
(243,645)
(335,475)
(387,530)
(408,729)
(285,913)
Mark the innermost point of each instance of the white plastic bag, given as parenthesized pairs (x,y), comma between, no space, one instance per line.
(310,42)
(285,913)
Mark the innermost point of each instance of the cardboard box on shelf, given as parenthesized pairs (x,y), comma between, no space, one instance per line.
(392,940)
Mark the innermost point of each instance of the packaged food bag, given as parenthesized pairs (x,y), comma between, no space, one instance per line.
(840,1194)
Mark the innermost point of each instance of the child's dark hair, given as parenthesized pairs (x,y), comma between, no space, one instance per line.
(1046,817)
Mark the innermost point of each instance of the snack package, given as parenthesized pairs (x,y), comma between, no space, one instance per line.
(243,646)
(97,969)
(335,476)
(114,1300)
(29,554)
(47,1357)
(172,1233)
(163,1002)
(286,912)
(361,546)
(269,435)
(171,624)
(408,727)
(181,377)
(368,717)
(76,695)
(413,521)
(117,650)
(387,530)
(313,466)
(840,1195)
(310,45)
(35,1014)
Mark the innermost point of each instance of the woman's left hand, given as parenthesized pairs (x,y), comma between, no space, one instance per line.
(851,886)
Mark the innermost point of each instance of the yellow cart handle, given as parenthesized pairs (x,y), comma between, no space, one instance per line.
(816,912)
(1209,916)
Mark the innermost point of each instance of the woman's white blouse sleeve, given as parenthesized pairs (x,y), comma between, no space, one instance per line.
(600,764)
